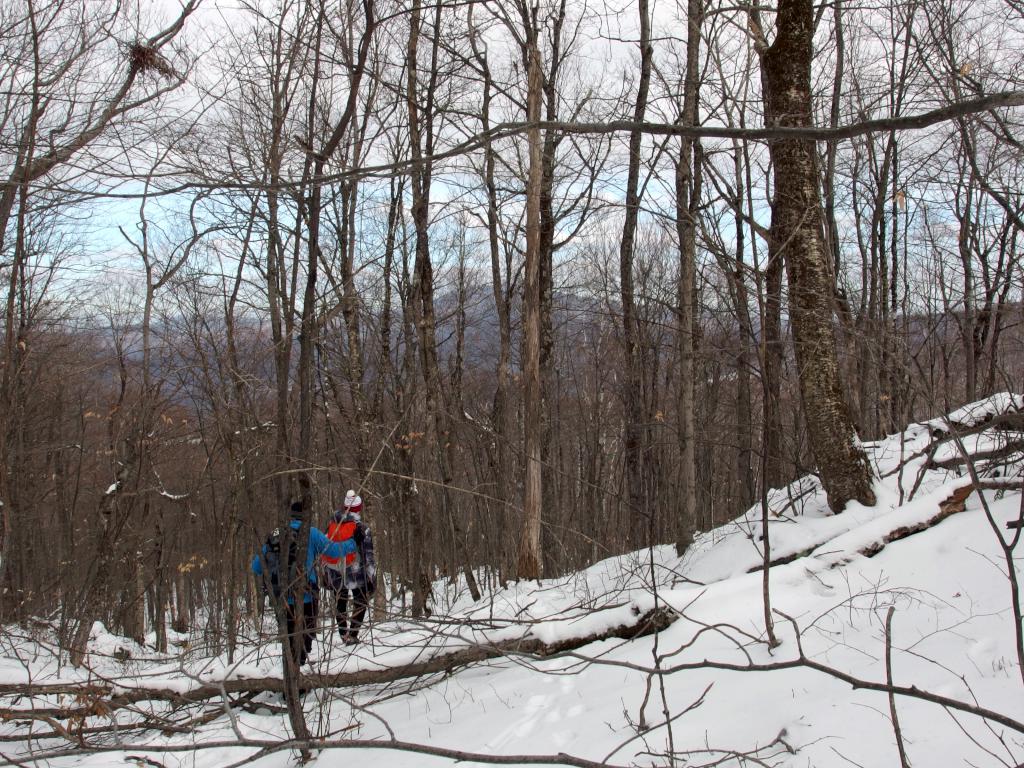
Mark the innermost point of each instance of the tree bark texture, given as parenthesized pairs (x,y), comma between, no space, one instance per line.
(529,558)
(687,181)
(633,448)
(797,237)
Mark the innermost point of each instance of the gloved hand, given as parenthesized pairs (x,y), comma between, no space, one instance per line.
(371,580)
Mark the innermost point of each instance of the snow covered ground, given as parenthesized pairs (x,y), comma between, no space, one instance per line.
(731,699)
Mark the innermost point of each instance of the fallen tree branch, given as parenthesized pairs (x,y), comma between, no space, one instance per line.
(1012,421)
(1003,452)
(785,559)
(954,503)
(102,699)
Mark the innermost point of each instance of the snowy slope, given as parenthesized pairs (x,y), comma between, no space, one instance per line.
(952,636)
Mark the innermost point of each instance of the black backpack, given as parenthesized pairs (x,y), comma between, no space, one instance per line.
(272,555)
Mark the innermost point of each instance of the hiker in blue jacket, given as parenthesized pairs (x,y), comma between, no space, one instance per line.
(268,564)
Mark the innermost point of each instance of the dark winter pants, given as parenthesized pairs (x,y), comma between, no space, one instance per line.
(309,613)
(348,628)
(360,601)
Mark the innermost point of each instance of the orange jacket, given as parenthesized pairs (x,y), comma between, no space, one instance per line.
(340,531)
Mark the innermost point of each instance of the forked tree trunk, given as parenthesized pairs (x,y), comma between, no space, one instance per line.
(797,237)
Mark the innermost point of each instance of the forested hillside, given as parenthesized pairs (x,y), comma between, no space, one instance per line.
(887,635)
(544,282)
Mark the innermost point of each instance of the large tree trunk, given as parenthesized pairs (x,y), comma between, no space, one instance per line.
(422,299)
(797,237)
(687,182)
(548,221)
(529,559)
(633,444)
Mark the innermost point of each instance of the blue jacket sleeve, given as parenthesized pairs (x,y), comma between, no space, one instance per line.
(257,562)
(319,544)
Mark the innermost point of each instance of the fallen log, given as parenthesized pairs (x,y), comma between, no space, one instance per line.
(784,560)
(1003,452)
(954,503)
(100,699)
(1012,421)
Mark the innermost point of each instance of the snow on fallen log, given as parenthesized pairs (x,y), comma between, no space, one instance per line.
(871,538)
(99,698)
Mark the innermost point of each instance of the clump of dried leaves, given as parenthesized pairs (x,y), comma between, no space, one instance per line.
(145,58)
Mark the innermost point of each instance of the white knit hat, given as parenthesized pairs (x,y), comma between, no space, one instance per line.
(353,501)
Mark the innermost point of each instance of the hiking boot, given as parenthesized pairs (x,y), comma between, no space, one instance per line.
(350,639)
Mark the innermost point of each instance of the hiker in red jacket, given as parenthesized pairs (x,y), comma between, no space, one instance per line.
(353,575)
